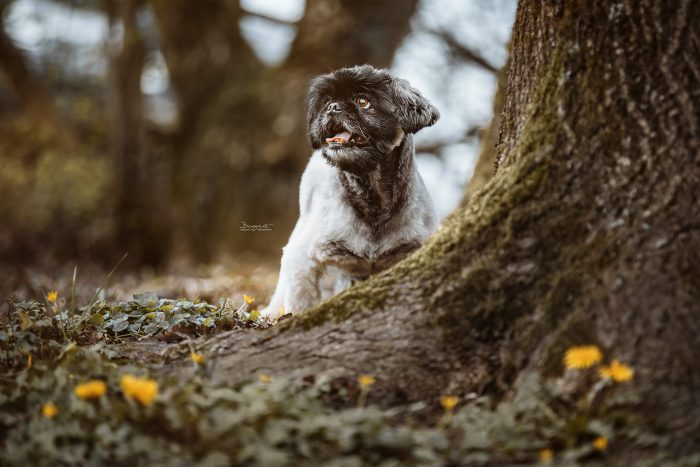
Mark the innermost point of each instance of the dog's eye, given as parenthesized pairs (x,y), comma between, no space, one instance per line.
(362,102)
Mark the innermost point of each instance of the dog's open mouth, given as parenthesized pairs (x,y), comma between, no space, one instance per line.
(345,137)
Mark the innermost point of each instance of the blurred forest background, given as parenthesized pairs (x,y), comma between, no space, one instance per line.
(158,127)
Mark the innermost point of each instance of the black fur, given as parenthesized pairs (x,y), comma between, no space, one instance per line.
(395,105)
(374,175)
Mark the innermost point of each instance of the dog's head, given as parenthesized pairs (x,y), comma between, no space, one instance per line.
(358,115)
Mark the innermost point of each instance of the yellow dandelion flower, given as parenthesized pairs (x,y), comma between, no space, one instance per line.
(449,402)
(582,357)
(546,456)
(600,443)
(248,299)
(49,410)
(617,372)
(198,358)
(52,296)
(365,380)
(93,389)
(265,378)
(143,390)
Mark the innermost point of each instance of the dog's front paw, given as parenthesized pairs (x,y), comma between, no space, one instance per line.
(272,312)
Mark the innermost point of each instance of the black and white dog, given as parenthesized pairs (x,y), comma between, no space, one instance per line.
(363,204)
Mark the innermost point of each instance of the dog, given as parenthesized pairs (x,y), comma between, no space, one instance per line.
(363,205)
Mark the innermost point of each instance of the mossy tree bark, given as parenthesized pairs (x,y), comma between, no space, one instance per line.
(589,233)
(486,163)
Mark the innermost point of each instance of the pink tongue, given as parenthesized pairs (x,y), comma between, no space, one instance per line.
(342,137)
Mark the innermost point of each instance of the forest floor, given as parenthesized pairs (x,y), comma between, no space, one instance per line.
(123,376)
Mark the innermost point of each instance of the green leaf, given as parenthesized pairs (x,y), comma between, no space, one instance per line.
(25,320)
(146,299)
(97,319)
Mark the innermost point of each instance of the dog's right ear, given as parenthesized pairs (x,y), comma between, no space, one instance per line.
(317,87)
(413,111)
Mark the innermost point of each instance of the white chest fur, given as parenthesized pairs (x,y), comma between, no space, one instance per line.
(331,236)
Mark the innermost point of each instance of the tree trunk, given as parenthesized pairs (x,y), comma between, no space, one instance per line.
(142,218)
(204,50)
(26,86)
(588,234)
(486,162)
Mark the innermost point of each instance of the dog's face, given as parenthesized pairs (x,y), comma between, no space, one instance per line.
(358,115)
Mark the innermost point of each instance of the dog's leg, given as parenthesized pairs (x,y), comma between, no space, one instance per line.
(276,306)
(303,283)
(298,283)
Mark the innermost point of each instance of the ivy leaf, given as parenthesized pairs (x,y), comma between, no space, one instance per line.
(25,321)
(146,299)
(122,325)
(97,319)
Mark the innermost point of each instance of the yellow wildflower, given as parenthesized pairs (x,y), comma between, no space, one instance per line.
(365,380)
(582,357)
(93,389)
(617,372)
(198,358)
(248,299)
(49,410)
(449,402)
(600,443)
(265,378)
(546,456)
(143,390)
(52,296)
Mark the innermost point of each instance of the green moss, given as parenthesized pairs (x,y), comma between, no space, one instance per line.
(368,295)
(542,122)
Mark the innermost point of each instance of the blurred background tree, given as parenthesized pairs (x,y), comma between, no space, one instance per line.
(158,127)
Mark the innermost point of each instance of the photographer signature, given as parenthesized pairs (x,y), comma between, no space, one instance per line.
(255,227)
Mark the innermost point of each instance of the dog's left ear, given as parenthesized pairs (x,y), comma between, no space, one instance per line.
(413,111)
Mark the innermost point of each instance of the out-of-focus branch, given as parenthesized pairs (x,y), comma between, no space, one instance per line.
(461,51)
(204,51)
(435,147)
(283,22)
(349,32)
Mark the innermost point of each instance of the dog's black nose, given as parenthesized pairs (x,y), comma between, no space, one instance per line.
(334,107)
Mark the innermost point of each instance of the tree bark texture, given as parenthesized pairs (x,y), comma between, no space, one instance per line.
(589,233)
(485,166)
